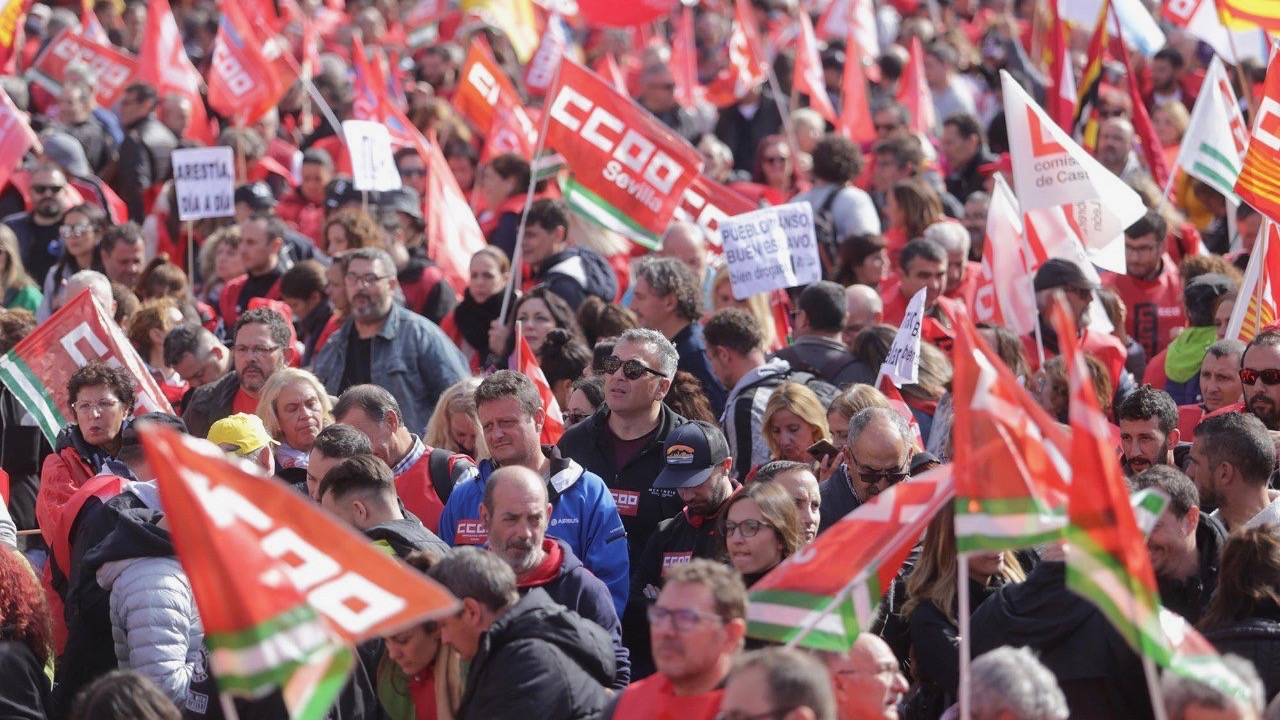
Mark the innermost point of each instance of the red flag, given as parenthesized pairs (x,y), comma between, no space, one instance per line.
(527,365)
(16,137)
(746,60)
(706,202)
(544,64)
(453,235)
(112,69)
(892,394)
(1256,184)
(619,14)
(1151,148)
(90,27)
(808,78)
(855,99)
(250,71)
(163,64)
(684,60)
(512,132)
(914,92)
(482,86)
(629,169)
(607,68)
(854,18)
(1060,95)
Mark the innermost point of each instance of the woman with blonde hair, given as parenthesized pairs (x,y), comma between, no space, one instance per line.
(757,304)
(793,420)
(19,289)
(932,607)
(760,528)
(455,425)
(294,408)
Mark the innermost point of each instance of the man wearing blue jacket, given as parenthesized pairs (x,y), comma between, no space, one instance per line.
(584,513)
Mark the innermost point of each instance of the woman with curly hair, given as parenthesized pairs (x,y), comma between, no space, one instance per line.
(350,229)
(25,641)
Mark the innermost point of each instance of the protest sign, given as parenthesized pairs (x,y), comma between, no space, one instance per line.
(902,364)
(372,165)
(771,249)
(37,369)
(206,182)
(110,69)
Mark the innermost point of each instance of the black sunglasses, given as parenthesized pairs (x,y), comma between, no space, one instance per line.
(1270,376)
(632,369)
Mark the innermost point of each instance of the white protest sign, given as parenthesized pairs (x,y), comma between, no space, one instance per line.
(902,364)
(771,249)
(372,164)
(205,180)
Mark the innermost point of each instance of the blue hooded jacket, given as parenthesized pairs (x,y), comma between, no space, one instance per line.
(583,514)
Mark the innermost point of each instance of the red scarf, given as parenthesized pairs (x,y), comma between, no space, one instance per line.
(548,569)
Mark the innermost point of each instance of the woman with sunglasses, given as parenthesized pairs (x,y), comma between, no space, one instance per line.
(773,179)
(760,529)
(585,397)
(19,291)
(81,231)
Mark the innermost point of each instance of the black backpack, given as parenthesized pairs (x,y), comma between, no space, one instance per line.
(824,231)
(744,433)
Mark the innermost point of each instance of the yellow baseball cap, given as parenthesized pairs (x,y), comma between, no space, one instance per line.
(243,431)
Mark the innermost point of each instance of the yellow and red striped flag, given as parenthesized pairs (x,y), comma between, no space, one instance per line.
(1247,14)
(1257,304)
(1259,181)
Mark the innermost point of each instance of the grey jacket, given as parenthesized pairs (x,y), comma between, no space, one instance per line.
(412,358)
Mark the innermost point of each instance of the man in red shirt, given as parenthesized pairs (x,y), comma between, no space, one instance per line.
(696,627)
(261,347)
(922,264)
(1062,274)
(962,273)
(1151,287)
(303,207)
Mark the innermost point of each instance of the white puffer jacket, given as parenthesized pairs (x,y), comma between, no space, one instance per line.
(154,620)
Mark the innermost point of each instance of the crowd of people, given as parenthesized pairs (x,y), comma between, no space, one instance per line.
(318,340)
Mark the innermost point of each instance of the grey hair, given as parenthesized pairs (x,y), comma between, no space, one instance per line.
(859,423)
(1012,680)
(470,572)
(667,276)
(374,254)
(1182,692)
(658,344)
(794,679)
(1226,348)
(952,236)
(97,283)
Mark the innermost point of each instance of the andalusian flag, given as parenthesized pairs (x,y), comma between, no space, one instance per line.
(1258,305)
(1247,14)
(1257,183)
(284,591)
(1214,145)
(826,593)
(1012,463)
(1085,123)
(1107,558)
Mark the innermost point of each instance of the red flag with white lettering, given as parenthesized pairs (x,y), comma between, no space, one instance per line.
(482,86)
(629,169)
(163,64)
(706,202)
(250,71)
(746,60)
(512,131)
(808,78)
(527,365)
(112,70)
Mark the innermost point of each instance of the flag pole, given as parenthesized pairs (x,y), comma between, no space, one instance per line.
(962,585)
(1153,687)
(528,202)
(1259,287)
(191,252)
(787,127)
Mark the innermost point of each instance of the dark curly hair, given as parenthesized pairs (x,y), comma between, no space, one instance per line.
(563,356)
(275,322)
(97,373)
(688,398)
(15,324)
(23,612)
(667,276)
(836,159)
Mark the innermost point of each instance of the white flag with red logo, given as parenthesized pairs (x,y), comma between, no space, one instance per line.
(164,65)
(856,19)
(1014,299)
(527,365)
(914,93)
(629,169)
(808,72)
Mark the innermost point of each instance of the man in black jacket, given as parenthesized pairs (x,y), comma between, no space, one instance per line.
(818,347)
(667,297)
(878,454)
(1185,544)
(145,154)
(573,273)
(622,442)
(529,657)
(698,467)
(361,492)
(515,512)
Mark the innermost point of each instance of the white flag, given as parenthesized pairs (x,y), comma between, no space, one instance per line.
(902,364)
(1216,139)
(1009,270)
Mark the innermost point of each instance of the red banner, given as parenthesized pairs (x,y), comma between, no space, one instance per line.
(616,13)
(163,63)
(630,170)
(37,369)
(250,71)
(706,202)
(482,86)
(111,69)
(527,365)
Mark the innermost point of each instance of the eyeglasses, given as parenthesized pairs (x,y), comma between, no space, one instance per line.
(88,409)
(684,620)
(77,230)
(1270,376)
(258,350)
(632,369)
(887,669)
(748,528)
(47,189)
(779,712)
(573,418)
(872,477)
(366,279)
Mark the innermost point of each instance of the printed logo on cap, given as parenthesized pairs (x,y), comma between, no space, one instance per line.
(679,455)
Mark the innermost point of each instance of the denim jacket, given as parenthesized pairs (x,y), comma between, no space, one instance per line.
(412,358)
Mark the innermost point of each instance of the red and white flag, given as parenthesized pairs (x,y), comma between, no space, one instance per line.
(746,53)
(808,78)
(541,72)
(453,235)
(482,87)
(1012,299)
(163,64)
(1258,304)
(855,101)
(16,137)
(894,396)
(527,365)
(112,69)
(706,202)
(607,68)
(684,60)
(512,131)
(1061,93)
(251,68)
(914,93)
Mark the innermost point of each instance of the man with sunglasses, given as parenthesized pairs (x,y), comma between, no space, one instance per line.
(877,454)
(39,229)
(696,626)
(1260,376)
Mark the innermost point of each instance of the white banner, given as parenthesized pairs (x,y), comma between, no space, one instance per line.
(372,164)
(771,249)
(902,364)
(205,180)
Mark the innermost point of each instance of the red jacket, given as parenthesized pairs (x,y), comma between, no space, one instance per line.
(231,296)
(305,216)
(1154,306)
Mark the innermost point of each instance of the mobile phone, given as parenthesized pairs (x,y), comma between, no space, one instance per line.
(823,449)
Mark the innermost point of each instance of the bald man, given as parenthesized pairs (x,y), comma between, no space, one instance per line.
(1115,149)
(686,242)
(865,309)
(515,511)
(867,681)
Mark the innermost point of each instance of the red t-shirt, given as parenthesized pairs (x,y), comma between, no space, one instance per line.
(1155,306)
(244,403)
(653,698)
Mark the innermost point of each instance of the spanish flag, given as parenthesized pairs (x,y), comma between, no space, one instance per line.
(1247,14)
(1086,121)
(1259,181)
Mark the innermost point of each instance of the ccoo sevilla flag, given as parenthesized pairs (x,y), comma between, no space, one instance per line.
(527,365)
(1258,304)
(1214,145)
(629,170)
(37,369)
(808,73)
(706,202)
(1257,182)
(825,594)
(163,64)
(284,591)
(1011,459)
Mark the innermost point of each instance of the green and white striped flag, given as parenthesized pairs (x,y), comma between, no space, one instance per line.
(1214,145)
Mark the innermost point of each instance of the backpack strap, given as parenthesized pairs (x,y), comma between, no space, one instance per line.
(439,469)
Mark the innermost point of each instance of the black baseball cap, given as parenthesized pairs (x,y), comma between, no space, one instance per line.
(691,453)
(1062,273)
(341,191)
(256,195)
